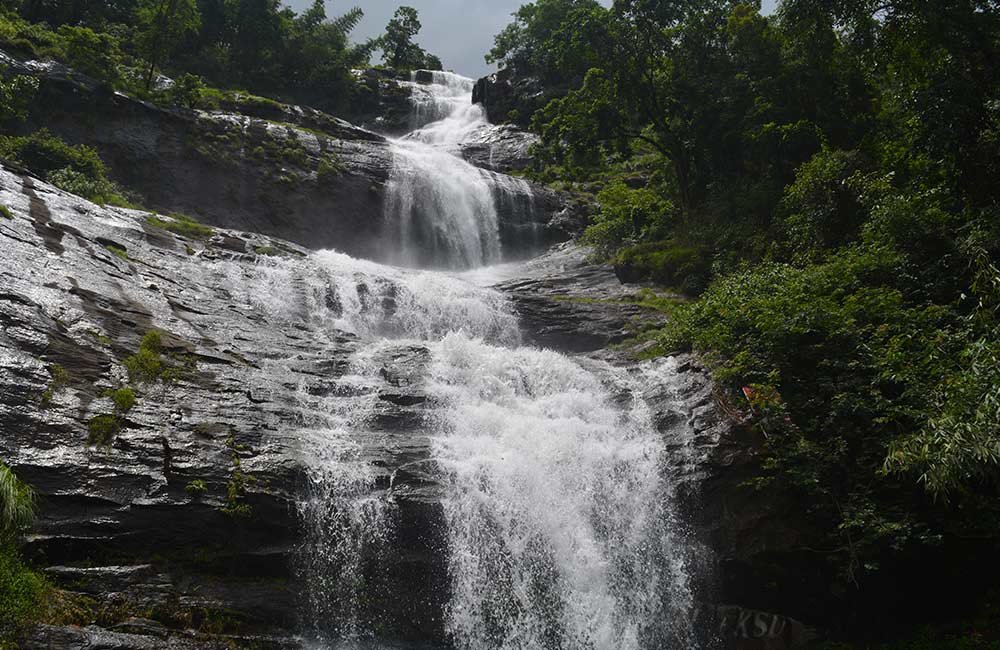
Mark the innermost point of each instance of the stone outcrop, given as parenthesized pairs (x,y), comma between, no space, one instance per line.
(512,98)
(382,104)
(502,148)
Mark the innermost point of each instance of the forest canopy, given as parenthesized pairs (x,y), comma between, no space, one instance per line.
(256,45)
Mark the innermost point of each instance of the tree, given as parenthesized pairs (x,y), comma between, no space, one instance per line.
(398,49)
(162,25)
(554,39)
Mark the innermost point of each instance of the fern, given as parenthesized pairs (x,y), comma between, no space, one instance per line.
(346,23)
(17,502)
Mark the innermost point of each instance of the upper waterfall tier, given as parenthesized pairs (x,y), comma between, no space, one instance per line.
(441,211)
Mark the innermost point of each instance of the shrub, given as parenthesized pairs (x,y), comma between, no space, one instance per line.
(103,428)
(92,53)
(683,267)
(124,399)
(839,365)
(60,378)
(329,169)
(146,365)
(187,91)
(76,169)
(824,207)
(43,153)
(17,503)
(16,93)
(627,216)
(183,225)
(98,190)
(22,594)
(196,488)
(5,212)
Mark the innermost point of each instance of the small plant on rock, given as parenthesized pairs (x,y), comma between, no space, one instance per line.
(196,488)
(60,378)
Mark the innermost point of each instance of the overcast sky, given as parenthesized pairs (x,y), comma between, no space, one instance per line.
(459,31)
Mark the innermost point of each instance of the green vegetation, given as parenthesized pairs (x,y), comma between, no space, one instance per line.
(22,591)
(305,58)
(236,488)
(16,93)
(5,212)
(825,182)
(399,52)
(102,429)
(60,379)
(146,366)
(76,169)
(123,399)
(118,251)
(183,225)
(196,488)
(17,503)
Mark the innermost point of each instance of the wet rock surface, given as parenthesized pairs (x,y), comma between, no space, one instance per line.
(567,303)
(502,148)
(188,517)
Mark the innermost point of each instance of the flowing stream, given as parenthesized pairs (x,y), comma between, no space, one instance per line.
(541,474)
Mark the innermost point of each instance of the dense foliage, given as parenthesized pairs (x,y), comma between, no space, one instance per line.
(399,52)
(827,180)
(21,590)
(304,58)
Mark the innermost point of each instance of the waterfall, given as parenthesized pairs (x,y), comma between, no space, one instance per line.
(540,476)
(559,529)
(441,211)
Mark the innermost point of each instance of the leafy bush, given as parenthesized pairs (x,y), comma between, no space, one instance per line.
(183,225)
(147,365)
(17,503)
(76,169)
(43,153)
(16,93)
(99,190)
(627,216)
(22,593)
(196,488)
(840,366)
(102,429)
(95,54)
(683,267)
(824,207)
(5,212)
(187,91)
(123,399)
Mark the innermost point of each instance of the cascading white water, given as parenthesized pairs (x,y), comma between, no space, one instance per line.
(557,517)
(559,524)
(440,210)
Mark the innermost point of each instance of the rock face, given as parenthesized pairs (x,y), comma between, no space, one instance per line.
(511,98)
(190,515)
(502,148)
(285,171)
(383,104)
(568,304)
